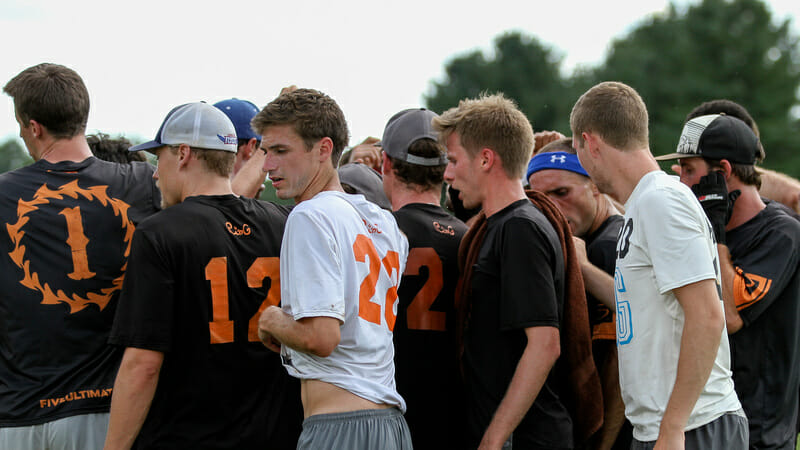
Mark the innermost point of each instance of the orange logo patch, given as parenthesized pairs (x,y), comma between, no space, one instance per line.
(77,241)
(749,288)
(243,231)
(444,229)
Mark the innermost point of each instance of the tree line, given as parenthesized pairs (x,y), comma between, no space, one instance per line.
(676,60)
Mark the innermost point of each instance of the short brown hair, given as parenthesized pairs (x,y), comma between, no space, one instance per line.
(420,178)
(313,114)
(218,162)
(559,145)
(494,122)
(615,112)
(52,95)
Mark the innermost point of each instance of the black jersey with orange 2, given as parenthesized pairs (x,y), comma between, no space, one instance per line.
(425,353)
(200,274)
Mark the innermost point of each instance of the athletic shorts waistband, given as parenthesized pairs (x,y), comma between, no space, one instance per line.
(351,415)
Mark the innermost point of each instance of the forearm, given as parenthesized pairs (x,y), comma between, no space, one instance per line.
(534,365)
(733,320)
(133,393)
(314,335)
(250,177)
(599,284)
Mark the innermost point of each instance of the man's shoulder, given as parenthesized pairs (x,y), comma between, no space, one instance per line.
(416,215)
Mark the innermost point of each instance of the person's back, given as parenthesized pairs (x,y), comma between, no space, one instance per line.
(424,335)
(223,267)
(69,228)
(765,352)
(69,220)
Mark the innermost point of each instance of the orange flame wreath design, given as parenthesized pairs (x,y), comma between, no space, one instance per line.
(31,279)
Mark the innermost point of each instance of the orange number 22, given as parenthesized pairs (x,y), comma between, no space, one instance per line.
(368,310)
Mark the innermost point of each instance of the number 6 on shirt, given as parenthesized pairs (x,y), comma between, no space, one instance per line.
(368,310)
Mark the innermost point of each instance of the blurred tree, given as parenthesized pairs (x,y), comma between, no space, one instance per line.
(13,155)
(520,67)
(716,49)
(676,60)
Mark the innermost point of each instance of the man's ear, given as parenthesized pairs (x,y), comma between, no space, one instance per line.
(727,169)
(386,166)
(325,148)
(488,158)
(36,128)
(592,143)
(248,149)
(184,155)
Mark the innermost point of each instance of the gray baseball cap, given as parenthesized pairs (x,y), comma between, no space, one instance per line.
(405,128)
(197,125)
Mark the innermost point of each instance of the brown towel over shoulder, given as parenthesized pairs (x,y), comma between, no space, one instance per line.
(581,390)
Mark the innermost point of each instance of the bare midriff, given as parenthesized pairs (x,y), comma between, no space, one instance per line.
(320,397)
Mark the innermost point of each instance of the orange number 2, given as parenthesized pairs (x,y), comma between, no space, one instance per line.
(420,316)
(368,310)
(221,327)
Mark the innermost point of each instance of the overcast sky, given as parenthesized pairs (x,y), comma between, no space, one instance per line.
(139,59)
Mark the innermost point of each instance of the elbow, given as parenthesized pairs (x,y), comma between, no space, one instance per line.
(321,346)
(733,322)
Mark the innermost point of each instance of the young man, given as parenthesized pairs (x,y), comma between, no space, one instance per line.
(194,374)
(673,349)
(556,171)
(68,220)
(341,260)
(759,248)
(424,335)
(514,299)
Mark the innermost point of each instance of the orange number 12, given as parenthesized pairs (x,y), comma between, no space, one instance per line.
(221,327)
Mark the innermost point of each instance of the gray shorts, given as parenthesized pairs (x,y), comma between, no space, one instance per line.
(729,432)
(81,432)
(385,429)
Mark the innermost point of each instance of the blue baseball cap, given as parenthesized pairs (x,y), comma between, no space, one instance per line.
(241,112)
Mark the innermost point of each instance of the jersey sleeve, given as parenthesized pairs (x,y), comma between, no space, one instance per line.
(145,311)
(678,240)
(764,272)
(312,281)
(528,295)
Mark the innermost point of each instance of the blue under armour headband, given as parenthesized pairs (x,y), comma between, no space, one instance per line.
(555,160)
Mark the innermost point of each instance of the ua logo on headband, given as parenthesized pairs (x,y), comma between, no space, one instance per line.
(560,158)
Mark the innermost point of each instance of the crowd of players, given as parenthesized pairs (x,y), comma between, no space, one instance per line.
(609,306)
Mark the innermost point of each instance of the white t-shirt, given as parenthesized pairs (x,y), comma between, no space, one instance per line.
(342,257)
(665,243)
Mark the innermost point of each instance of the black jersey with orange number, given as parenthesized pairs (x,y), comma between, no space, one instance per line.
(765,352)
(426,369)
(65,239)
(601,250)
(200,273)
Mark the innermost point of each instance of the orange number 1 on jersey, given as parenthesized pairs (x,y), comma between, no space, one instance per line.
(77,241)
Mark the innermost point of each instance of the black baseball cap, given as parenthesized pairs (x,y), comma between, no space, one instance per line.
(716,136)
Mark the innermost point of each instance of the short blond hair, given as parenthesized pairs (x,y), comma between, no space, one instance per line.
(615,112)
(494,122)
